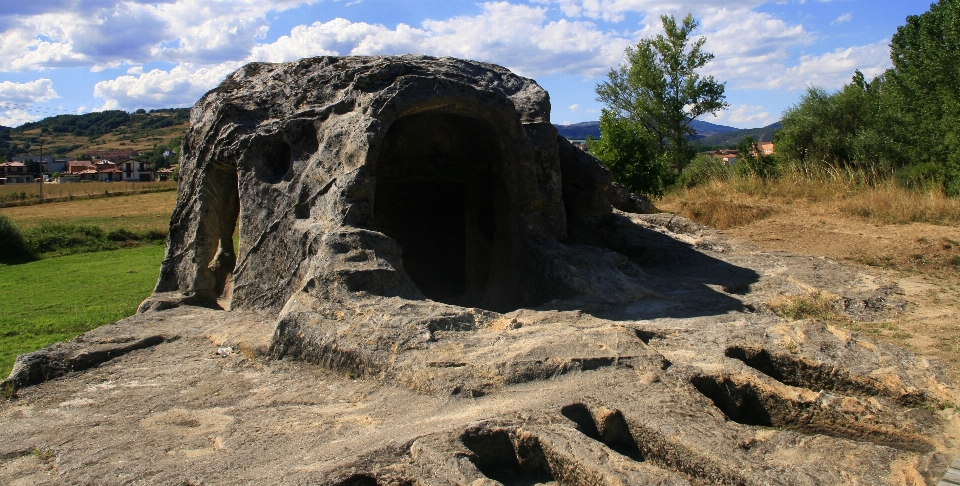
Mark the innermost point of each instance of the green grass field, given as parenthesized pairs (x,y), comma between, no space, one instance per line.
(55,299)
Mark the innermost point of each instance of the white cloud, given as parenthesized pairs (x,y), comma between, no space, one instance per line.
(744,115)
(181,86)
(833,69)
(843,18)
(749,45)
(36,91)
(102,33)
(12,117)
(518,37)
(575,108)
(615,10)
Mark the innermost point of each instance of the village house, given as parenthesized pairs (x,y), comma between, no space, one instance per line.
(137,171)
(166,173)
(78,170)
(729,156)
(14,173)
(108,171)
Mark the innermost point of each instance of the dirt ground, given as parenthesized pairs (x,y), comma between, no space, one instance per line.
(922,259)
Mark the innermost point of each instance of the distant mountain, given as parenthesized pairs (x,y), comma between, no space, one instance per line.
(3,128)
(584,129)
(579,131)
(730,139)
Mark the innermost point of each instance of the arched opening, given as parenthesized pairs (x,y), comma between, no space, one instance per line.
(217,225)
(437,196)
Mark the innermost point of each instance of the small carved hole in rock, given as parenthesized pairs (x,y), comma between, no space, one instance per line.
(498,458)
(740,403)
(646,335)
(276,160)
(613,430)
(359,480)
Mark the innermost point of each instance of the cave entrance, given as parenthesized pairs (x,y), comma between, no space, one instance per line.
(436,196)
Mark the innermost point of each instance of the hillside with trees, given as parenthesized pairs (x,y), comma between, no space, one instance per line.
(72,135)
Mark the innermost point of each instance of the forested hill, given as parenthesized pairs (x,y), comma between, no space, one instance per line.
(730,139)
(103,122)
(585,129)
(72,135)
(708,134)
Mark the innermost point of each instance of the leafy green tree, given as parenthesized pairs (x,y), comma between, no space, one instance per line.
(630,153)
(855,127)
(925,85)
(659,88)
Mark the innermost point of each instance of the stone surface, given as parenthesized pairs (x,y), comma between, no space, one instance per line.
(432,288)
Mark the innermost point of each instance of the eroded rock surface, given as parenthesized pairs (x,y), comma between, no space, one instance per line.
(432,288)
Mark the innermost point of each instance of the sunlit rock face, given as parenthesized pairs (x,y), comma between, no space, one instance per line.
(395,177)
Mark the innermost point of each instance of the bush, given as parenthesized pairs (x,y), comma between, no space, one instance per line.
(66,238)
(702,170)
(629,152)
(922,176)
(56,239)
(13,247)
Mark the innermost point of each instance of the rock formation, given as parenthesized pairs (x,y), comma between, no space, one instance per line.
(418,244)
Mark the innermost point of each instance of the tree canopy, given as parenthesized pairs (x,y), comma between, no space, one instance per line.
(651,101)
(903,120)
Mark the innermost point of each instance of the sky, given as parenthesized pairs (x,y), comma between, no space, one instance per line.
(79,56)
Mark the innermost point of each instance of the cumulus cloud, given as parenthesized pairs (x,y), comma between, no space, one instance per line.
(744,115)
(615,10)
(36,91)
(833,69)
(575,108)
(181,86)
(12,117)
(843,18)
(518,37)
(104,33)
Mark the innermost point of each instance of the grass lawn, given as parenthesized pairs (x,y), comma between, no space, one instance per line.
(55,299)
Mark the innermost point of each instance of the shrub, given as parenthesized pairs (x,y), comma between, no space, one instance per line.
(66,238)
(13,247)
(122,235)
(923,176)
(703,169)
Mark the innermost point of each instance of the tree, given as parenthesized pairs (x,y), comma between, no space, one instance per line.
(630,153)
(659,90)
(925,85)
(906,120)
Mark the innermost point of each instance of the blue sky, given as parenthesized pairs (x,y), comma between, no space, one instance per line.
(77,56)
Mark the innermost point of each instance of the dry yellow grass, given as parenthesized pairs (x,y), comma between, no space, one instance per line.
(13,192)
(140,212)
(737,201)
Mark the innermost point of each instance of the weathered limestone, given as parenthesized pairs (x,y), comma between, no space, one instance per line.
(406,176)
